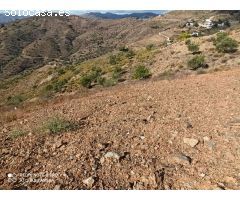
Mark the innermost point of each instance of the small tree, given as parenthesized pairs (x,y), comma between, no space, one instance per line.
(225,44)
(194,48)
(196,62)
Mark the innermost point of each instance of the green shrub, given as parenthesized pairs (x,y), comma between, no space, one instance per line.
(88,79)
(61,71)
(130,54)
(220,37)
(59,85)
(56,86)
(188,41)
(17,133)
(184,36)
(57,125)
(117,72)
(141,72)
(95,73)
(228,45)
(196,62)
(225,44)
(113,59)
(15,100)
(101,80)
(107,82)
(193,47)
(49,87)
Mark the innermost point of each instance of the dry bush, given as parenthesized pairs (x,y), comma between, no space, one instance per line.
(10,116)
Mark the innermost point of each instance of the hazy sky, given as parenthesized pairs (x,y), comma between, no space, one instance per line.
(79,12)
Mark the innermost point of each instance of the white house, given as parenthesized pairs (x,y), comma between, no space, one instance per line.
(190,23)
(208,24)
(195,34)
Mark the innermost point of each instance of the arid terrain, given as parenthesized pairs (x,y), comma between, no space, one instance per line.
(139,115)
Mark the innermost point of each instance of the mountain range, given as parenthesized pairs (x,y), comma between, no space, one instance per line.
(6,19)
(110,15)
(94,14)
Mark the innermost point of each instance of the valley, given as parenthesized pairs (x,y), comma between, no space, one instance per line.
(121,104)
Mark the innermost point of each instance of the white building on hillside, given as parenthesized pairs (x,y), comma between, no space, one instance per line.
(208,24)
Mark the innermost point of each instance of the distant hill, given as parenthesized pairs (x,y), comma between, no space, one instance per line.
(6,19)
(109,15)
(34,41)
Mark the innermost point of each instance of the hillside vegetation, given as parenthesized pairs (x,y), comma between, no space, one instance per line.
(121,104)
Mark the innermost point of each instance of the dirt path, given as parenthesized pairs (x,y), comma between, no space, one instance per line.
(177,134)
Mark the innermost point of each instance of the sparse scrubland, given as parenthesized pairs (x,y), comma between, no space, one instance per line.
(121,104)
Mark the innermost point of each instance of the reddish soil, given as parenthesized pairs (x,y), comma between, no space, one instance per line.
(133,137)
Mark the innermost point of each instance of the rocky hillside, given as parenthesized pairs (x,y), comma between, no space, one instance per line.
(177,134)
(36,41)
(156,108)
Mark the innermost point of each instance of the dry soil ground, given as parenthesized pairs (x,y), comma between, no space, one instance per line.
(162,134)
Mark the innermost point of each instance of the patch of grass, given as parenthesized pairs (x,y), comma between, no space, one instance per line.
(144,56)
(17,133)
(56,86)
(59,85)
(122,57)
(61,71)
(196,62)
(192,47)
(184,36)
(113,60)
(117,72)
(108,82)
(167,74)
(141,72)
(56,125)
(15,100)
